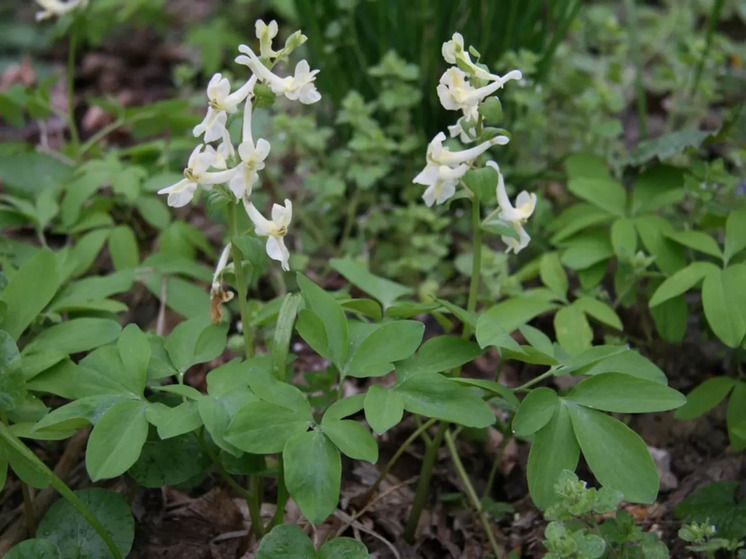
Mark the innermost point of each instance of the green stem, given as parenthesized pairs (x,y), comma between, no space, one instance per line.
(390,464)
(476,265)
(423,484)
(28,507)
(714,18)
(472,494)
(74,136)
(350,219)
(431,451)
(241,285)
(227,477)
(529,384)
(254,497)
(642,112)
(282,495)
(40,467)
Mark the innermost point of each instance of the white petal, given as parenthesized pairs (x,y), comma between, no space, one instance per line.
(262,149)
(262,226)
(277,250)
(281,215)
(427,176)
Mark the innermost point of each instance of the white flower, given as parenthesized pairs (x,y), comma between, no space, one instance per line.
(265,33)
(464,129)
(457,94)
(275,230)
(454,49)
(51,8)
(453,52)
(299,87)
(440,181)
(438,155)
(221,102)
(252,160)
(195,174)
(514,216)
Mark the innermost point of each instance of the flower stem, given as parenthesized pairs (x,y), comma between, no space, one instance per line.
(431,451)
(254,496)
(241,285)
(476,264)
(73,127)
(472,494)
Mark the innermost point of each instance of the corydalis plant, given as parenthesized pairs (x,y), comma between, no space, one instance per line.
(235,169)
(465,87)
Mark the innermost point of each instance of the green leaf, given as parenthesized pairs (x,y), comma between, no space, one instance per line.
(576,218)
(344,548)
(283,334)
(736,418)
(697,240)
(574,333)
(667,146)
(264,428)
(393,341)
(491,109)
(330,313)
(482,182)
(617,392)
(313,474)
(154,211)
(195,341)
(536,410)
(169,462)
(312,330)
(352,439)
(286,541)
(345,407)
(716,503)
(624,238)
(616,455)
(134,350)
(35,548)
(218,412)
(438,354)
(384,408)
(434,395)
(365,307)
(682,281)
(669,256)
(172,422)
(553,274)
(74,536)
(77,335)
(586,165)
(705,397)
(670,319)
(514,312)
(604,193)
(116,440)
(553,450)
(29,290)
(617,359)
(123,248)
(538,340)
(587,250)
(724,304)
(88,409)
(735,234)
(383,290)
(600,311)
(657,187)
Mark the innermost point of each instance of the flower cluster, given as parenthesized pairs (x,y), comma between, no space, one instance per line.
(58,8)
(235,169)
(464,87)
